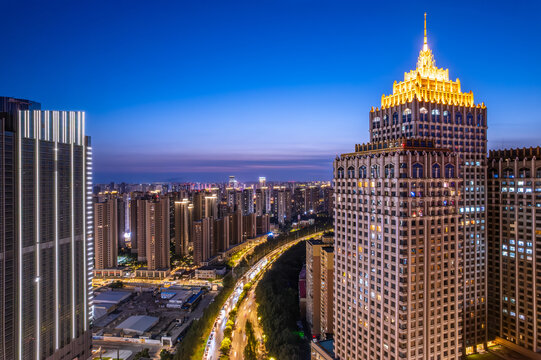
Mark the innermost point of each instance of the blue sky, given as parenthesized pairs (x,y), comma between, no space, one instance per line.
(199,90)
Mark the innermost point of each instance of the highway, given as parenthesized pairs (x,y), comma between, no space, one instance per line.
(212,348)
(247,311)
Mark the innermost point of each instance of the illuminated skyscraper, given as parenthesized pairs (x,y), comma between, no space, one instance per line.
(410,272)
(46,245)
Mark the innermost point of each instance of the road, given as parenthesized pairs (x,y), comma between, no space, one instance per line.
(248,311)
(212,348)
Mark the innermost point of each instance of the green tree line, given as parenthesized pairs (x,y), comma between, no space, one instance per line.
(278,298)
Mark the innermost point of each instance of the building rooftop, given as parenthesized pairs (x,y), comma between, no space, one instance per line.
(111,297)
(138,323)
(328,346)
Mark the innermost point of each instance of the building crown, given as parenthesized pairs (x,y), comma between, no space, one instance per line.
(427,83)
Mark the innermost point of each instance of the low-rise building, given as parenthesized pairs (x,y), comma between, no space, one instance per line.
(210,272)
(322,350)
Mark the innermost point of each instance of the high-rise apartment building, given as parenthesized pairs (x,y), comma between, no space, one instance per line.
(221,235)
(410,275)
(203,233)
(151,232)
(514,248)
(283,206)
(236,228)
(183,226)
(319,289)
(46,240)
(247,204)
(105,234)
(326,308)
(157,234)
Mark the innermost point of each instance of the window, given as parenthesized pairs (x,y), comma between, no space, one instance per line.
(395,118)
(406,115)
(340,173)
(446,117)
(469,119)
(493,173)
(508,173)
(389,171)
(436,115)
(458,119)
(385,120)
(449,171)
(374,171)
(376,122)
(538,173)
(417,171)
(362,172)
(351,172)
(423,114)
(524,173)
(436,171)
(480,120)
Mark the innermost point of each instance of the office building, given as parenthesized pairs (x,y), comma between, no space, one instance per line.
(410,272)
(46,242)
(514,249)
(105,234)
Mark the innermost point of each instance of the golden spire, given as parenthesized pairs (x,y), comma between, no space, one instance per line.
(427,83)
(425,45)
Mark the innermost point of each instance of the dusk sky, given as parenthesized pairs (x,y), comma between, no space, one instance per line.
(199,90)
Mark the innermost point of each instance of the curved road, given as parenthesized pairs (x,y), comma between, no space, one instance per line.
(212,348)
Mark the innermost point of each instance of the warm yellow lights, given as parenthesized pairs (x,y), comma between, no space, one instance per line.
(428,83)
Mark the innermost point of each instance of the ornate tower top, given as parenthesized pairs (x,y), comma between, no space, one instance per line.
(427,83)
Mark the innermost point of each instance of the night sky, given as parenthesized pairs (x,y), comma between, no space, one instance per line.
(199,90)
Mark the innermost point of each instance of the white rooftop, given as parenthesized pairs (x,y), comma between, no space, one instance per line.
(138,323)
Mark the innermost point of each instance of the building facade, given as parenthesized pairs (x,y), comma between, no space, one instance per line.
(319,286)
(105,234)
(410,272)
(46,245)
(514,247)
(183,226)
(157,234)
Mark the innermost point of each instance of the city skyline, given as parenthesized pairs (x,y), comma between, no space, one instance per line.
(283,74)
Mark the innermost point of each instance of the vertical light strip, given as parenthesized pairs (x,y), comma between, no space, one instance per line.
(81,120)
(20,235)
(36,118)
(55,135)
(70,139)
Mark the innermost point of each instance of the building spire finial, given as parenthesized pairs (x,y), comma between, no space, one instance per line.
(425,44)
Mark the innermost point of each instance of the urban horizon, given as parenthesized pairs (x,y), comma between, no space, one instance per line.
(217,199)
(262,107)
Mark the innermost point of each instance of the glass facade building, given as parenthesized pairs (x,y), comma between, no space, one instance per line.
(47,246)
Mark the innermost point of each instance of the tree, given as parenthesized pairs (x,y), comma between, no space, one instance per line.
(145,353)
(225,345)
(116,284)
(165,355)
